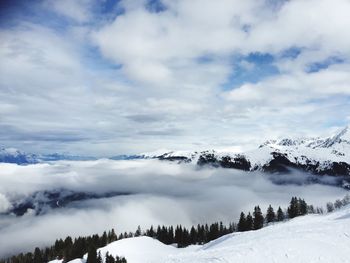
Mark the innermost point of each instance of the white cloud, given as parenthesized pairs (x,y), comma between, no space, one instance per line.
(295,88)
(4,204)
(77,10)
(90,80)
(186,193)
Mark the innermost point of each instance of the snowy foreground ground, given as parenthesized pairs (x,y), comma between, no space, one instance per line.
(312,238)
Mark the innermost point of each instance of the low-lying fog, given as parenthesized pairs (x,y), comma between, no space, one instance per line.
(160,193)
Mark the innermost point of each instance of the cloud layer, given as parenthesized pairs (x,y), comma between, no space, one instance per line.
(141,75)
(160,193)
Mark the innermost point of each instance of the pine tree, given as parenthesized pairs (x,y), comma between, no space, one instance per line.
(179,236)
(92,255)
(104,239)
(185,237)
(193,235)
(293,209)
(302,207)
(201,234)
(138,232)
(338,204)
(280,214)
(258,221)
(78,248)
(249,222)
(232,228)
(38,258)
(330,207)
(171,235)
(99,257)
(109,258)
(150,232)
(241,226)
(222,230)
(270,214)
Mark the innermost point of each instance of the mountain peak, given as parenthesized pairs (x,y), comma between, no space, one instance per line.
(342,136)
(345,133)
(13,155)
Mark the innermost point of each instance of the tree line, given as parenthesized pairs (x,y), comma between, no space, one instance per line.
(69,248)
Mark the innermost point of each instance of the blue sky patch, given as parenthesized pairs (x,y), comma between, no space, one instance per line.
(251,69)
(155,6)
(317,66)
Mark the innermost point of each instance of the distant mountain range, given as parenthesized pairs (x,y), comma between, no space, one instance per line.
(12,155)
(321,156)
(41,201)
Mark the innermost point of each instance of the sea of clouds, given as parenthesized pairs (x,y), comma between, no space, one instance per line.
(158,192)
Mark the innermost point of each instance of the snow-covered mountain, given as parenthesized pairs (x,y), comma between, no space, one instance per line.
(12,155)
(310,238)
(59,157)
(322,156)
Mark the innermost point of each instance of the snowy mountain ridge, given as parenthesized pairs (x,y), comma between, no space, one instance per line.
(12,155)
(324,156)
(330,155)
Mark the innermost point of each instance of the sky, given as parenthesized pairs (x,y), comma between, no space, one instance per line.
(110,77)
(160,192)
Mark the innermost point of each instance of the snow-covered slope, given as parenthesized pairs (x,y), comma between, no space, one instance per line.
(329,155)
(311,238)
(140,249)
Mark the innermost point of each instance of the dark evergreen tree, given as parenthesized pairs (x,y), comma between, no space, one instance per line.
(185,238)
(120,259)
(92,255)
(206,232)
(222,229)
(270,214)
(280,214)
(109,258)
(249,222)
(78,248)
(193,235)
(330,207)
(104,239)
(241,226)
(99,257)
(113,236)
(38,258)
(171,235)
(213,231)
(138,232)
(67,250)
(150,232)
(179,236)
(293,209)
(201,234)
(232,228)
(338,204)
(302,205)
(258,221)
